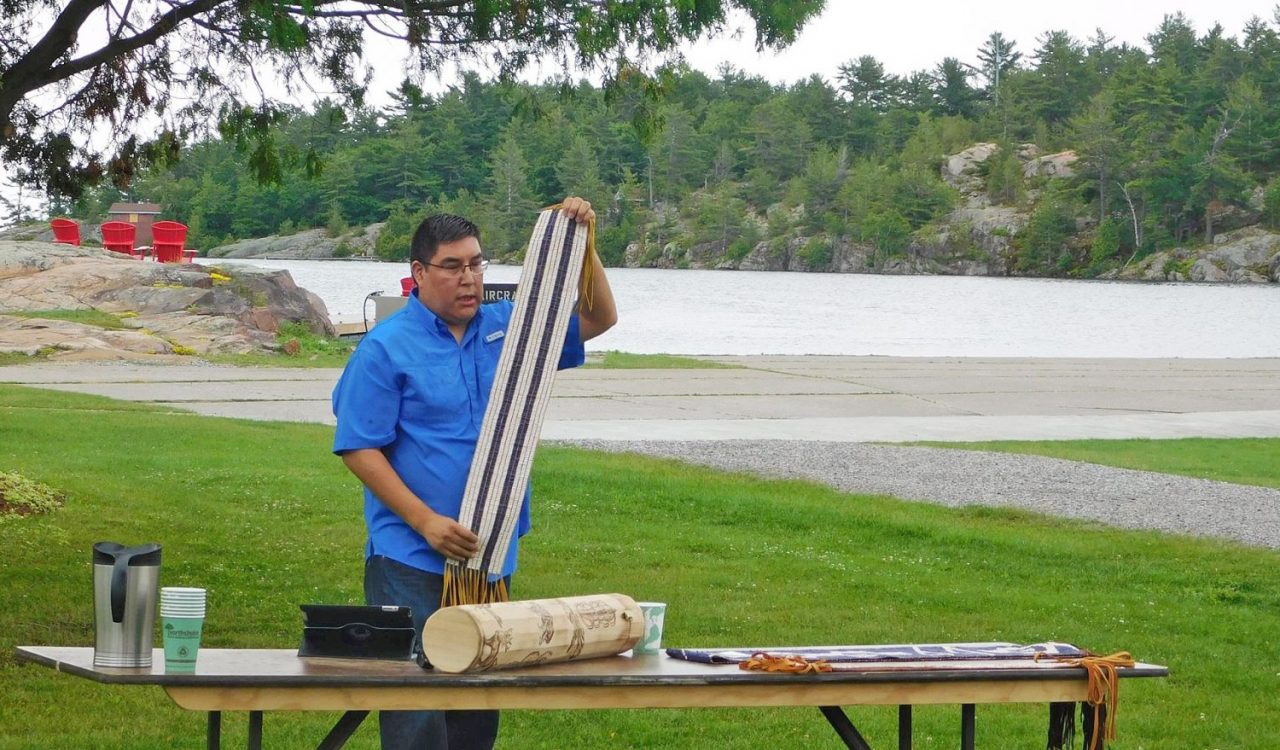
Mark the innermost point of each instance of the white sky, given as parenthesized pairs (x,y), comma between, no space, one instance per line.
(910,35)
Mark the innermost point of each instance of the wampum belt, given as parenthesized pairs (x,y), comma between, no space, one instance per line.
(499,473)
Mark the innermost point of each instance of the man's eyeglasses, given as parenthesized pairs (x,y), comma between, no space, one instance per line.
(455,269)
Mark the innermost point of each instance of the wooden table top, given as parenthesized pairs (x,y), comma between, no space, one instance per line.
(283,667)
(280,680)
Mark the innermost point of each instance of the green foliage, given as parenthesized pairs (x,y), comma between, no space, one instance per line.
(18,358)
(1271,204)
(761,189)
(742,247)
(20,496)
(1004,177)
(189,66)
(933,138)
(336,225)
(888,231)
(717,217)
(918,195)
(1177,268)
(817,254)
(1106,244)
(88,317)
(396,237)
(507,214)
(1043,244)
(311,344)
(297,346)
(818,187)
(615,360)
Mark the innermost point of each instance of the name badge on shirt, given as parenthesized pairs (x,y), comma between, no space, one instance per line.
(494,336)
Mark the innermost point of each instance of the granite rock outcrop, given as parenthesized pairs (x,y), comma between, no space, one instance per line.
(164,308)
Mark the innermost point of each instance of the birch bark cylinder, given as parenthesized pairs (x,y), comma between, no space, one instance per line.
(479,637)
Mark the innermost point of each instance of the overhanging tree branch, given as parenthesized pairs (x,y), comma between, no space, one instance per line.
(135,71)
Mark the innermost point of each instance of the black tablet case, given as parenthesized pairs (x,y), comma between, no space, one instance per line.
(356,632)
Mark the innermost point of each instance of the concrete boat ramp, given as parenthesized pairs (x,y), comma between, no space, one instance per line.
(799,398)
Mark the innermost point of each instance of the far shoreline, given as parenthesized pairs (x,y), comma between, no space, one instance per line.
(1137,282)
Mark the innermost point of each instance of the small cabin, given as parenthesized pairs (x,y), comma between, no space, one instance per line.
(141,215)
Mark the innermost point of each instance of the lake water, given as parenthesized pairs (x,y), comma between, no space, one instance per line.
(748,312)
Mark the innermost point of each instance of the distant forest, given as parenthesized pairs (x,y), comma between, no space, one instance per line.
(1167,137)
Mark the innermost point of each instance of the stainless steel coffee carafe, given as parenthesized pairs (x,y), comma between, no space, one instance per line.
(126,585)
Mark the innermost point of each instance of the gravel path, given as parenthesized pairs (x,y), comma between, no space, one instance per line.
(1071,489)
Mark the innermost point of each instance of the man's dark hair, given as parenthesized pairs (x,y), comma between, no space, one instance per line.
(439,229)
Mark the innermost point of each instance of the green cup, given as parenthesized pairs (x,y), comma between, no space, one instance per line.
(651,641)
(181,642)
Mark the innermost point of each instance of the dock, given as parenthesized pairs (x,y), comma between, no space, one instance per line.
(350,329)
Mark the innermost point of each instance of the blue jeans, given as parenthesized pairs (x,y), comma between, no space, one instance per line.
(387,582)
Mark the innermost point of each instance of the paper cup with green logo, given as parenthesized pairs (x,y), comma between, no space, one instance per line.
(651,641)
(181,623)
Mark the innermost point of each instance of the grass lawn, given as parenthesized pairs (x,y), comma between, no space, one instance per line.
(614,360)
(1245,461)
(264,517)
(90,317)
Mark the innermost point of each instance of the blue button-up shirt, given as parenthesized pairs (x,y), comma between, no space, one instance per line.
(411,390)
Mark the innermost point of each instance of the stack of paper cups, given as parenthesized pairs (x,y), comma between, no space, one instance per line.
(182,620)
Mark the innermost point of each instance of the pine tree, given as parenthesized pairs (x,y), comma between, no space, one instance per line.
(998,57)
(510,202)
(1100,148)
(579,174)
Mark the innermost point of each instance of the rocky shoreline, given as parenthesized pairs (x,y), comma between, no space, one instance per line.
(1249,254)
(164,309)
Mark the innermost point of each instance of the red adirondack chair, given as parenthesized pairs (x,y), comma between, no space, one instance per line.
(117,236)
(406,286)
(168,239)
(65,232)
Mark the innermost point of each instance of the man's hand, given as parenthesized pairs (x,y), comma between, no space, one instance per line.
(578,208)
(445,535)
(449,538)
(600,315)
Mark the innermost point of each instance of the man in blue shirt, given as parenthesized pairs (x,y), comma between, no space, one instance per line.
(409,408)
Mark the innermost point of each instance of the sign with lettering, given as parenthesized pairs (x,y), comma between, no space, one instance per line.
(385,304)
(496,292)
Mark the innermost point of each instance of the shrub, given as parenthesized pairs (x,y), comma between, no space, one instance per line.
(888,231)
(1106,242)
(739,249)
(303,343)
(1044,242)
(397,233)
(1271,204)
(1004,177)
(817,254)
(335,225)
(20,496)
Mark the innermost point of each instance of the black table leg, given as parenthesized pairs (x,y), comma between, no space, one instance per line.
(845,728)
(255,730)
(343,730)
(904,727)
(968,715)
(214,733)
